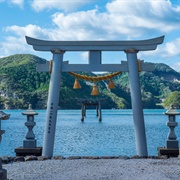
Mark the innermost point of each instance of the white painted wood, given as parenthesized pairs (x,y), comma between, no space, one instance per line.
(142,45)
(95,47)
(95,67)
(136,101)
(94,57)
(52,105)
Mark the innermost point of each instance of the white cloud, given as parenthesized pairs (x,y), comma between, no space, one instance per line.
(78,26)
(176,66)
(123,20)
(84,56)
(29,30)
(145,14)
(172,48)
(66,5)
(20,3)
(167,50)
(13,45)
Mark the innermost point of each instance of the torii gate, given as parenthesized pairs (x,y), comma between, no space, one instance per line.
(58,48)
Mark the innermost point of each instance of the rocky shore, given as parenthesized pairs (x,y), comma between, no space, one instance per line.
(95,168)
(9,159)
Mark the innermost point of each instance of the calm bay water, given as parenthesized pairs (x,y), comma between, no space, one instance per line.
(113,136)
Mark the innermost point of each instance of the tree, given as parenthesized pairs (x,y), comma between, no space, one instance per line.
(174,99)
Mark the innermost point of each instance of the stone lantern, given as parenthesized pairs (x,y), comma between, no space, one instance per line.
(30,141)
(172,141)
(3,172)
(29,144)
(172,144)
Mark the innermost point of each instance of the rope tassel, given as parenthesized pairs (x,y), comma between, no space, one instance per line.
(94,91)
(111,84)
(76,84)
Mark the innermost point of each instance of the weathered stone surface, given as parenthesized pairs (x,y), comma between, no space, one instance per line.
(87,157)
(59,157)
(74,157)
(42,158)
(135,157)
(6,159)
(123,157)
(139,157)
(155,157)
(163,157)
(31,158)
(3,174)
(109,157)
(20,151)
(95,157)
(19,159)
(174,152)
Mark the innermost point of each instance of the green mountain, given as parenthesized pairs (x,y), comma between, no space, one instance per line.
(20,85)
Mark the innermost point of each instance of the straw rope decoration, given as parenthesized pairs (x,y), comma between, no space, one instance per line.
(94,78)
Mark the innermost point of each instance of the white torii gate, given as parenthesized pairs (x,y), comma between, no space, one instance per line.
(58,48)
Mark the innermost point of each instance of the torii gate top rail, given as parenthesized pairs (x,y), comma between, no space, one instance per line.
(143,45)
(94,48)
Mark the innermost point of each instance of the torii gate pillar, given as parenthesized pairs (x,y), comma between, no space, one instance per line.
(136,101)
(52,104)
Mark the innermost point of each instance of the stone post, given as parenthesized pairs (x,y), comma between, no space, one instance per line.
(82,112)
(99,108)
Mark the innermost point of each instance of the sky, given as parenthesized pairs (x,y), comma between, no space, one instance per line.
(78,20)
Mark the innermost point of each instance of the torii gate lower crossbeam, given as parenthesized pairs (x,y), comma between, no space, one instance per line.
(131,49)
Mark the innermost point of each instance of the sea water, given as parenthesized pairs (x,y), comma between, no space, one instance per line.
(113,136)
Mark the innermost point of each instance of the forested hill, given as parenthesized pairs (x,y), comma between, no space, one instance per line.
(20,85)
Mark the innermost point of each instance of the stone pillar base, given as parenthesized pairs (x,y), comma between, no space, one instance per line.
(172,144)
(29,143)
(21,151)
(169,152)
(3,174)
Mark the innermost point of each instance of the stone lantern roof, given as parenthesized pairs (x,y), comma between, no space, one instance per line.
(172,111)
(30,111)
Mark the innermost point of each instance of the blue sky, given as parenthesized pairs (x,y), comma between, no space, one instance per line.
(92,20)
